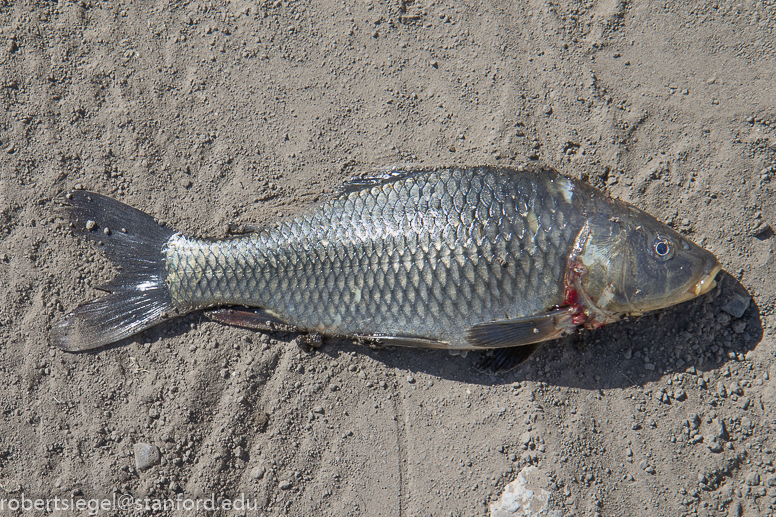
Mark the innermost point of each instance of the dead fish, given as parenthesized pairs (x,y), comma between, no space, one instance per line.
(456,258)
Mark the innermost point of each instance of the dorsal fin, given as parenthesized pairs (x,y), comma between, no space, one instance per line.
(382,176)
(243,228)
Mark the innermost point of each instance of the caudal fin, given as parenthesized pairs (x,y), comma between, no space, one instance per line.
(139,296)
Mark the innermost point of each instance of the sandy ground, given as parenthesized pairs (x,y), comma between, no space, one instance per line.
(208,113)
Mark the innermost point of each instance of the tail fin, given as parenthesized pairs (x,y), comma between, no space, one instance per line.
(139,295)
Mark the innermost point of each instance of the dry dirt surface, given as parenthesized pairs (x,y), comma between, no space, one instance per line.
(206,113)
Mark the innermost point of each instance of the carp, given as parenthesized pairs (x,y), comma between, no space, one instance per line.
(453,257)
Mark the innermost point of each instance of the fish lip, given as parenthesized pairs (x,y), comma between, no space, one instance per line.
(707,281)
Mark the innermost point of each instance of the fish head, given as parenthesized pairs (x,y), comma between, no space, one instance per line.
(631,263)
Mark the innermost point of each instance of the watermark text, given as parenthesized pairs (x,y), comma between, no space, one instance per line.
(126,502)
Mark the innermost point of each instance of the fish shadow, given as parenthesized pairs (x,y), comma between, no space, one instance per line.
(691,338)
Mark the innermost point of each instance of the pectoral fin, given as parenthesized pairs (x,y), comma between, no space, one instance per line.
(522,331)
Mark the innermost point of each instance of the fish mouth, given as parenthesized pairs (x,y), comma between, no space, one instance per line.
(707,282)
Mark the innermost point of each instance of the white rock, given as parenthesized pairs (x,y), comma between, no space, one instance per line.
(146,456)
(526,496)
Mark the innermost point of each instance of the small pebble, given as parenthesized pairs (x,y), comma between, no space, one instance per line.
(737,305)
(410,379)
(285,485)
(318,409)
(752,479)
(146,456)
(258,472)
(90,225)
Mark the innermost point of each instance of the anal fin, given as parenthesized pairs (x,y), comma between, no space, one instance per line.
(548,325)
(250,318)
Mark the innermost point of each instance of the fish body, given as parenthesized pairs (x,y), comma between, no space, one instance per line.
(430,255)
(459,258)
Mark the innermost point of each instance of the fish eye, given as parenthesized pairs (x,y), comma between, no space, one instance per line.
(662,248)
